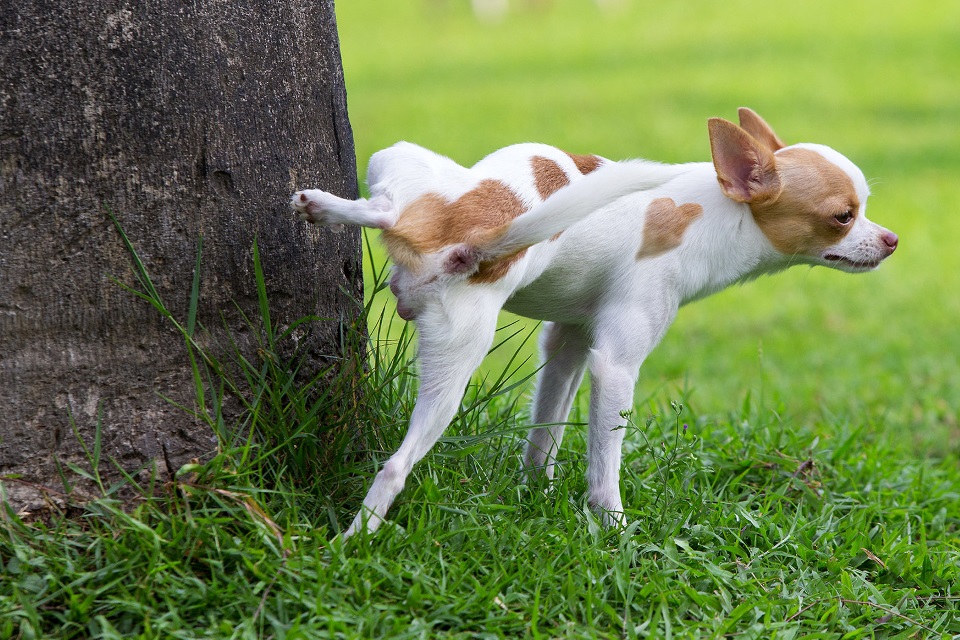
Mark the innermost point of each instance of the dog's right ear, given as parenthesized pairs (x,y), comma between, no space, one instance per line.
(746,168)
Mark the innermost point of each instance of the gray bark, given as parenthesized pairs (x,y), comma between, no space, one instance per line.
(183,119)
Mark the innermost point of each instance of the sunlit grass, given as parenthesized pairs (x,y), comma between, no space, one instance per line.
(741,524)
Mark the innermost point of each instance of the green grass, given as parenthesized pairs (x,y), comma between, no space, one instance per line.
(791,467)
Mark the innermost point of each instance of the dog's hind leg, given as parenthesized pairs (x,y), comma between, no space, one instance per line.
(454,338)
(564,354)
(320,207)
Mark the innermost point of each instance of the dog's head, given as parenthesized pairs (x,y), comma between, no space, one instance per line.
(808,200)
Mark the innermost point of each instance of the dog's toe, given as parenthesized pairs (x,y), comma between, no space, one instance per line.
(309,205)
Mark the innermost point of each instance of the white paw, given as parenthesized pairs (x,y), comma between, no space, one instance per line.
(364,521)
(610,512)
(313,205)
(612,519)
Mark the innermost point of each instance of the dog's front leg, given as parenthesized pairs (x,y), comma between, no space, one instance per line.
(564,354)
(452,343)
(622,343)
(612,384)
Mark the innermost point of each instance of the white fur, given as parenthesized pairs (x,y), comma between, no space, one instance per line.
(604,308)
(571,205)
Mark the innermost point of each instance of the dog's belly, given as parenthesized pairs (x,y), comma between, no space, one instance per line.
(565,295)
(570,279)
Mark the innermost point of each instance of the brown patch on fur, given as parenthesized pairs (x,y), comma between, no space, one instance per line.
(547,176)
(801,220)
(430,223)
(585,163)
(664,224)
(493,270)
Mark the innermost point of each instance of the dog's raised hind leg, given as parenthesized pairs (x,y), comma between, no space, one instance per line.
(320,207)
(453,342)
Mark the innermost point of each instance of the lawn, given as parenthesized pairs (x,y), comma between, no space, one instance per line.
(791,467)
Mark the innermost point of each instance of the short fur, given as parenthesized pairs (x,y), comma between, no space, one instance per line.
(604,252)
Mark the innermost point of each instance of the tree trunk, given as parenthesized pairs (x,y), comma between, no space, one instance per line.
(183,119)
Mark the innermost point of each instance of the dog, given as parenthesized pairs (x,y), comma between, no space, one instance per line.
(605,253)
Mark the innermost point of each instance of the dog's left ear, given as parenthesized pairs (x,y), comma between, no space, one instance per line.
(746,168)
(759,129)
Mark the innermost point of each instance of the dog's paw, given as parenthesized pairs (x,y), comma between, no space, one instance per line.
(313,205)
(609,511)
(613,519)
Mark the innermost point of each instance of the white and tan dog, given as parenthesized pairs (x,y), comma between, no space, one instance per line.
(605,252)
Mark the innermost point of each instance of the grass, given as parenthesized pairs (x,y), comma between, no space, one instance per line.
(791,468)
(742,524)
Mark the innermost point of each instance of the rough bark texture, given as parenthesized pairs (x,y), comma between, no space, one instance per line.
(183,119)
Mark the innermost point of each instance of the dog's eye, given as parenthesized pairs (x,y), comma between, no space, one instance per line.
(844,217)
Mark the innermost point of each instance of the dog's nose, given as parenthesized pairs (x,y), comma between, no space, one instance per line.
(890,239)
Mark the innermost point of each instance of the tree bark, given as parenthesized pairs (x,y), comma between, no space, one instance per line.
(183,119)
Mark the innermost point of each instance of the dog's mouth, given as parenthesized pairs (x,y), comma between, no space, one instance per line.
(848,264)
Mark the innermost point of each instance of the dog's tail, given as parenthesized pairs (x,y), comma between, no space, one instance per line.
(574,202)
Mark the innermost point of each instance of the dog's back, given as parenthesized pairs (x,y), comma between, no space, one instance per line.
(489,214)
(531,172)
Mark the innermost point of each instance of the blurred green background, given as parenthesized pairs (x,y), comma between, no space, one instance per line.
(879,81)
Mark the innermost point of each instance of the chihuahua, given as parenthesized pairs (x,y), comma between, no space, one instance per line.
(605,253)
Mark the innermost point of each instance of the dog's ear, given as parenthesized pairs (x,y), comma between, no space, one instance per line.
(759,129)
(746,168)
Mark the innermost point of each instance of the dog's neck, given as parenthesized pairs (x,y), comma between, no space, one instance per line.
(726,246)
